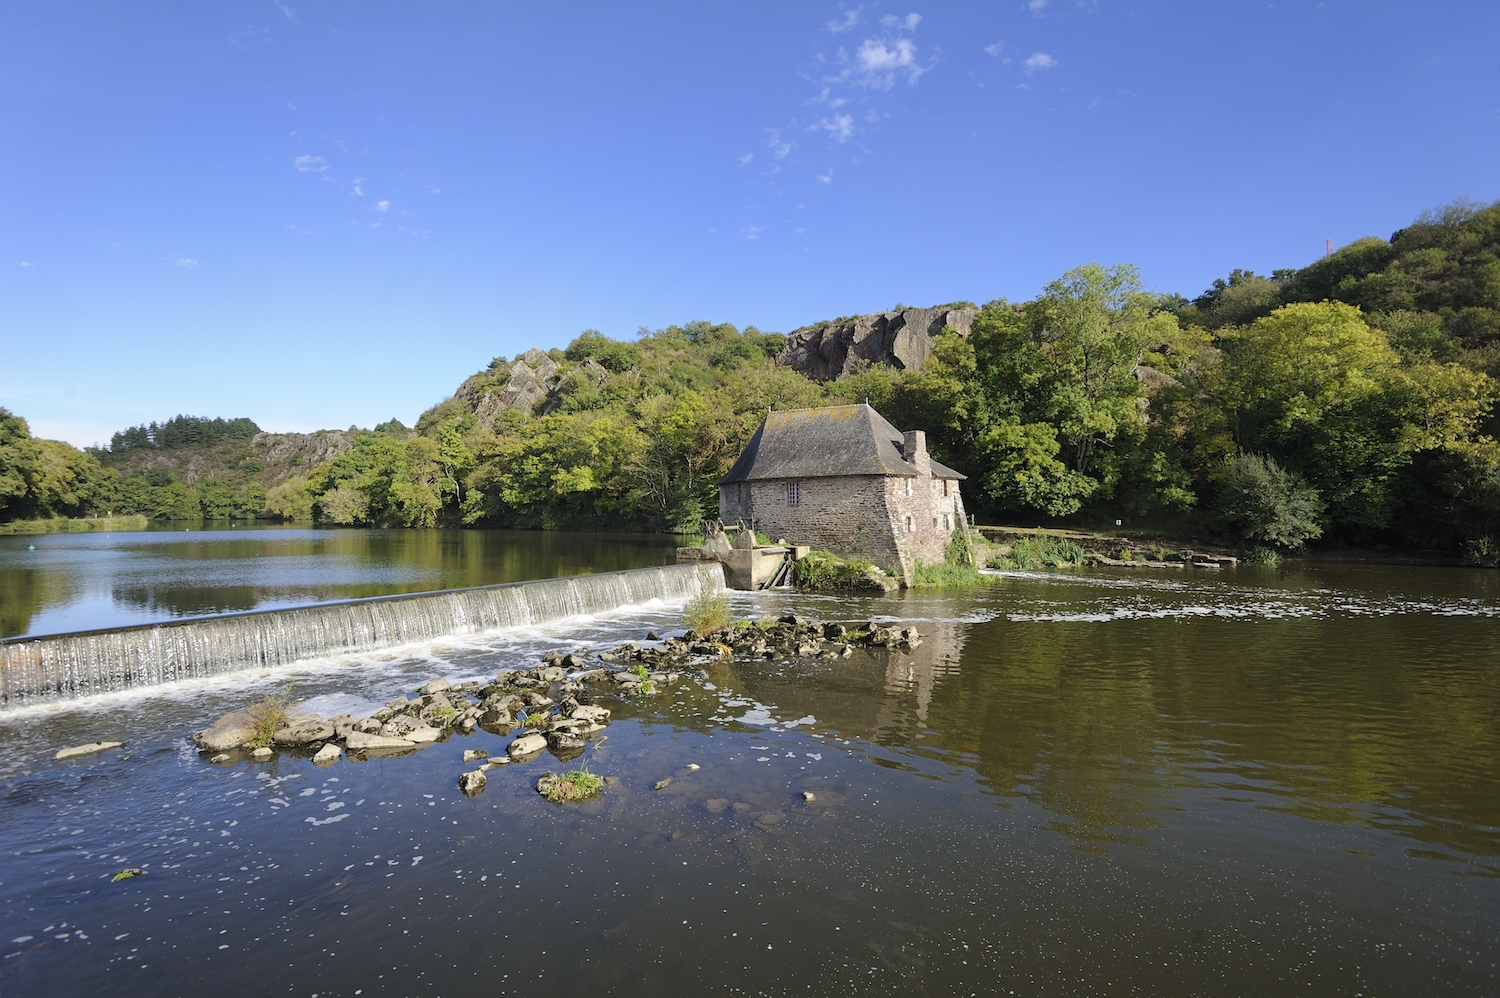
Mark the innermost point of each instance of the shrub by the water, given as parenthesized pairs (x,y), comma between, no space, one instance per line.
(270,713)
(945,573)
(706,612)
(1263,503)
(1043,551)
(1483,552)
(825,571)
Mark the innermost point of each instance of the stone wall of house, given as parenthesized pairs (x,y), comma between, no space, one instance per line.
(849,515)
(866,516)
(924,511)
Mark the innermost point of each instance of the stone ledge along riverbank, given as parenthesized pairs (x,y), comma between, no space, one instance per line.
(549,707)
(67,666)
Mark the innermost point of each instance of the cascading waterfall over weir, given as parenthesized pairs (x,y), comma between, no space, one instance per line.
(67,666)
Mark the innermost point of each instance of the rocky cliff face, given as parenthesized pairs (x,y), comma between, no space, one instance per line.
(267,458)
(532,383)
(903,339)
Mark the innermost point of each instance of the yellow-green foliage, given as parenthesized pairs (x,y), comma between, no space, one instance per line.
(580,784)
(707,612)
(824,571)
(270,714)
(1043,551)
(945,573)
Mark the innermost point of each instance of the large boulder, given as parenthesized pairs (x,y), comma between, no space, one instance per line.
(230,731)
(305,733)
(358,741)
(527,745)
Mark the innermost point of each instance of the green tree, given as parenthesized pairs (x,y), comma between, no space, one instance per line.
(1262,503)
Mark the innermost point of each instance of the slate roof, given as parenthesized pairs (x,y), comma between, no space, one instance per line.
(825,443)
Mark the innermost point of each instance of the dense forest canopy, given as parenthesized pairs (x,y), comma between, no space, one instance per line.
(1349,401)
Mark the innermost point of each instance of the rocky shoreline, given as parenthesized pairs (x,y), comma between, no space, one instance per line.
(551,707)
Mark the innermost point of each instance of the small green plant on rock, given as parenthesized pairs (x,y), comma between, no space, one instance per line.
(707,612)
(270,714)
(580,784)
(648,688)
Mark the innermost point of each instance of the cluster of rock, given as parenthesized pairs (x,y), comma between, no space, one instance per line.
(533,383)
(788,636)
(831,350)
(546,706)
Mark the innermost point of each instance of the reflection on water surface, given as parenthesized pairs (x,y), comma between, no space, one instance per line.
(75,582)
(1258,782)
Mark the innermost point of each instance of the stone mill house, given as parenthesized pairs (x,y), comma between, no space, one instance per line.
(845,479)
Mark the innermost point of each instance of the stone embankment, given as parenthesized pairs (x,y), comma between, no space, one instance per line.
(548,708)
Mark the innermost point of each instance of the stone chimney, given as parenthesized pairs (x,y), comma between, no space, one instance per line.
(914,450)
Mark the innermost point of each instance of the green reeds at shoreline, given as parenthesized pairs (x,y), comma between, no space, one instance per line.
(63,525)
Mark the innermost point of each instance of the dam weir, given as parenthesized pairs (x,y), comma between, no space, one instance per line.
(86,663)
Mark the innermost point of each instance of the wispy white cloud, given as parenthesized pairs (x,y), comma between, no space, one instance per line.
(310,164)
(779,149)
(1036,5)
(840,126)
(825,97)
(907,23)
(995,47)
(291,15)
(187,262)
(25,263)
(1039,60)
(434,189)
(359,191)
(382,206)
(845,23)
(879,62)
(826,178)
(754,230)
(745,159)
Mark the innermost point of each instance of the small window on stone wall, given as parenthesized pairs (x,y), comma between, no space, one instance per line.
(911,525)
(907,486)
(947,523)
(945,488)
(793,493)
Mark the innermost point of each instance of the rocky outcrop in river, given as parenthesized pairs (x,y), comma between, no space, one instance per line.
(550,707)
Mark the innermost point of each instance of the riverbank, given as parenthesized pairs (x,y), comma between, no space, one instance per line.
(63,525)
(1146,548)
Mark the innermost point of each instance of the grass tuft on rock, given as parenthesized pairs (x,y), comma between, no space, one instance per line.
(707,612)
(270,714)
(578,785)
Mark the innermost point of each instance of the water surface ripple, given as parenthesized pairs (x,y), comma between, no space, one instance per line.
(1260,781)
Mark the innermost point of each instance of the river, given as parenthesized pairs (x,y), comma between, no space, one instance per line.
(1260,780)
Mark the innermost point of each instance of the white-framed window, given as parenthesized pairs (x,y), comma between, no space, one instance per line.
(907,486)
(910,524)
(947,523)
(793,493)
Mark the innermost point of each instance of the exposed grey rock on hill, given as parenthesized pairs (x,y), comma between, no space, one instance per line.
(267,458)
(532,383)
(832,350)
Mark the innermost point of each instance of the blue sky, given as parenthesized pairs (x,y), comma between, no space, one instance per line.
(324,214)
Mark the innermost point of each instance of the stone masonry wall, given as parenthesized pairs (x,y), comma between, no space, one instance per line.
(848,515)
